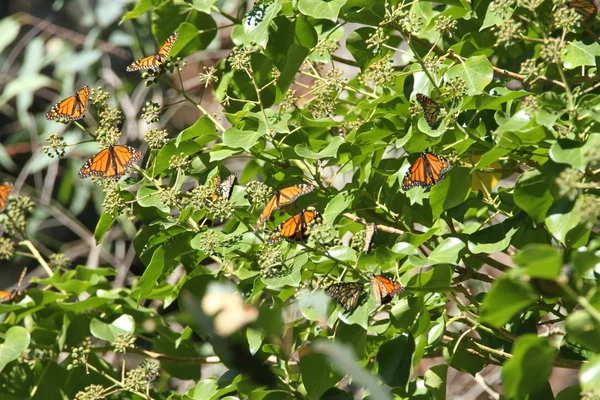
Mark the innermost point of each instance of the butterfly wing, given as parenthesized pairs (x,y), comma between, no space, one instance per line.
(156,60)
(588,9)
(97,165)
(8,296)
(415,176)
(111,162)
(226,188)
(347,294)
(71,108)
(295,227)
(431,109)
(370,230)
(385,288)
(435,167)
(426,171)
(282,198)
(123,157)
(5,190)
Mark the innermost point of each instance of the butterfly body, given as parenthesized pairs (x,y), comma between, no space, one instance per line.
(426,171)
(282,198)
(295,227)
(111,163)
(431,109)
(385,288)
(5,190)
(156,60)
(347,294)
(71,108)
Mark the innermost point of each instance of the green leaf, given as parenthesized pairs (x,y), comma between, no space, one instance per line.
(477,72)
(584,330)
(589,376)
(434,279)
(343,358)
(395,360)
(493,238)
(453,190)
(259,34)
(336,206)
(204,6)
(530,366)
(125,324)
(104,224)
(435,381)
(329,151)
(236,138)
(506,298)
(205,389)
(152,272)
(447,252)
(318,374)
(532,193)
(16,341)
(495,16)
(203,129)
(321,8)
(539,261)
(140,8)
(357,46)
(578,53)
(574,153)
(563,220)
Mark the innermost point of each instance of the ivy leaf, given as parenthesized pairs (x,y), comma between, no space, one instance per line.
(505,299)
(16,341)
(451,191)
(321,8)
(578,53)
(477,72)
(530,366)
(125,324)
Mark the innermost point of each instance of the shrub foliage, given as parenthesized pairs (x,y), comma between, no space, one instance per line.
(497,260)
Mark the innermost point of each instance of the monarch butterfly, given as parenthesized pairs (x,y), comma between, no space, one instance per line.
(426,171)
(225,188)
(71,108)
(282,198)
(385,288)
(156,60)
(370,230)
(8,296)
(588,9)
(5,190)
(347,294)
(295,227)
(111,162)
(431,109)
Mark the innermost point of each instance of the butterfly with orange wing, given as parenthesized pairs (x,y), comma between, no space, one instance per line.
(347,294)
(111,162)
(431,109)
(588,9)
(295,227)
(8,296)
(72,108)
(5,190)
(282,198)
(224,189)
(156,60)
(385,288)
(426,171)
